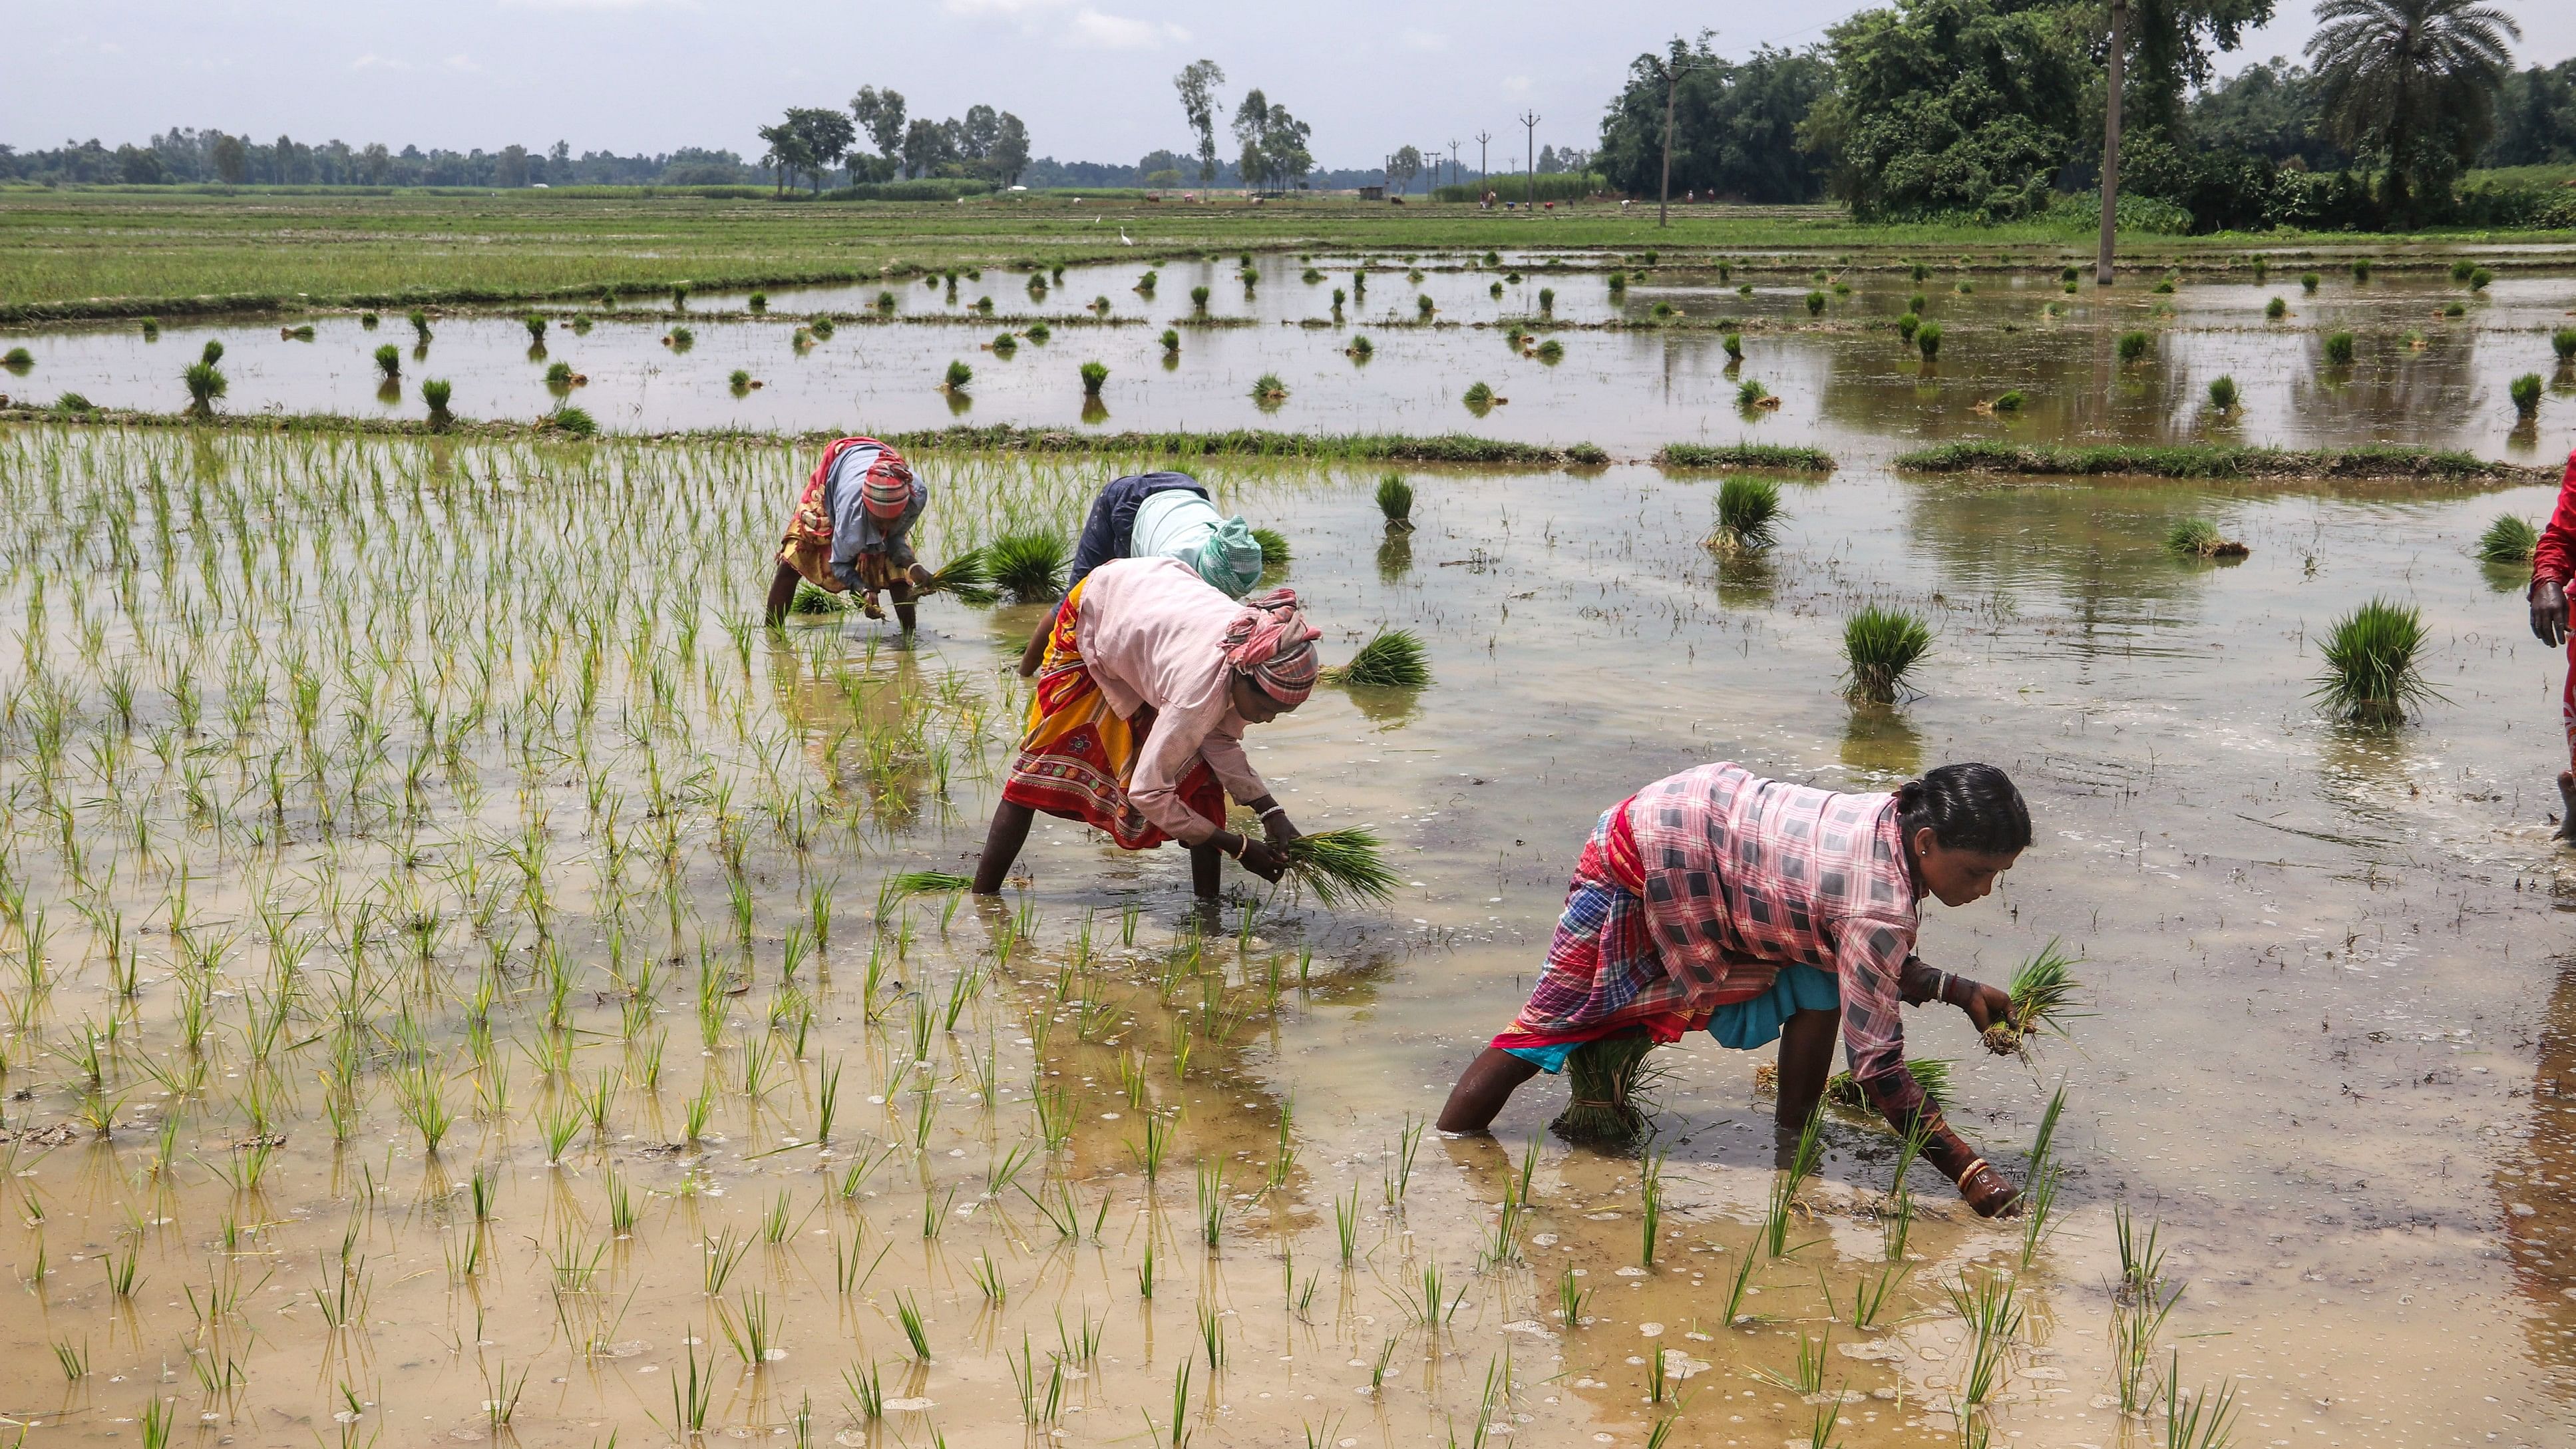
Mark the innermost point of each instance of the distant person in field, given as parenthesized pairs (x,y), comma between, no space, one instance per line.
(2553,563)
(1136,727)
(1159,515)
(850,530)
(1757,910)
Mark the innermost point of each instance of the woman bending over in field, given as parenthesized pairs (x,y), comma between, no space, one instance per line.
(1137,725)
(850,528)
(1757,909)
(1159,515)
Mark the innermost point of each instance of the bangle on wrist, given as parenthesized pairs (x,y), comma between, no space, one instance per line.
(1967,1172)
(1274,810)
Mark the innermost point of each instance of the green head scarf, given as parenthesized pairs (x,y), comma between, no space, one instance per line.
(1230,560)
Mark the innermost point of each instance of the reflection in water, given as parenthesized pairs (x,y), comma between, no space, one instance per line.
(2539,1211)
(1386,706)
(1394,557)
(1746,581)
(1879,740)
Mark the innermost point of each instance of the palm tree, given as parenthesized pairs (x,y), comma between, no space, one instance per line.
(2414,82)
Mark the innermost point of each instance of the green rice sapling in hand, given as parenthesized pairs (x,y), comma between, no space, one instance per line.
(1647,950)
(850,532)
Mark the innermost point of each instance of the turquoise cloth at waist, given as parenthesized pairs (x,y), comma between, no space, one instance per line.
(1742,1025)
(1745,1025)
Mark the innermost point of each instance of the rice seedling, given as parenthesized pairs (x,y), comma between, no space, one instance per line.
(1268,390)
(1993,1312)
(1361,348)
(2222,393)
(2198,538)
(1932,1074)
(1395,502)
(2205,1420)
(956,377)
(572,422)
(2525,391)
(1804,1157)
(1650,1205)
(1274,549)
(2044,992)
(2508,540)
(1748,515)
(908,1313)
(2338,348)
(1028,564)
(1880,648)
(2373,669)
(1392,658)
(1604,1077)
(436,392)
(1340,868)
(1927,340)
(1808,1375)
(1907,326)
(2276,309)
(2137,1322)
(2132,346)
(205,384)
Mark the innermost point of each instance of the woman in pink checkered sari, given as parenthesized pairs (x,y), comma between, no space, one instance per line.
(1756,909)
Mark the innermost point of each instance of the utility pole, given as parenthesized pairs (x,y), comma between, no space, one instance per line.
(1453,163)
(1482,170)
(2111,143)
(1529,171)
(1672,82)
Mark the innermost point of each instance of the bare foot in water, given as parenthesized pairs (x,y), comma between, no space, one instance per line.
(2567,803)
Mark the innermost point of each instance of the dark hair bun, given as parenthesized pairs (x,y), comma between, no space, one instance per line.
(1967,807)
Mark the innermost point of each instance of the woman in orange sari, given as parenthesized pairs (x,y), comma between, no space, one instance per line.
(1149,677)
(850,531)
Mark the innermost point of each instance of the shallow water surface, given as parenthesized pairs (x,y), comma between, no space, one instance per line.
(365,796)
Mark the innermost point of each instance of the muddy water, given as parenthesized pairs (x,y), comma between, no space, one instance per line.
(2328,1053)
(1845,380)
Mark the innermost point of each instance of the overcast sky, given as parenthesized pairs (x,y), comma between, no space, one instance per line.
(1091,77)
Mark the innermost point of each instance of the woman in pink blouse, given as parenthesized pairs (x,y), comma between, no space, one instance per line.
(1149,677)
(1758,909)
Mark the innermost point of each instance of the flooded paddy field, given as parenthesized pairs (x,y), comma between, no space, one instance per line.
(1570,358)
(454,991)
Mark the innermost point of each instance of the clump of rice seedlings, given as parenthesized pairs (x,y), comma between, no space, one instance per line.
(2508,540)
(389,361)
(1094,375)
(1361,349)
(2200,538)
(1842,1089)
(1815,304)
(1028,564)
(1751,395)
(1605,1076)
(1391,659)
(559,375)
(1423,308)
(680,339)
(2563,342)
(1395,501)
(1907,326)
(822,327)
(536,326)
(1748,514)
(2132,346)
(204,384)
(2044,991)
(436,391)
(2526,395)
(2222,393)
(1268,390)
(1880,646)
(904,884)
(956,378)
(2010,401)
(2372,671)
(1199,300)
(72,402)
(2361,269)
(1478,398)
(2339,349)
(740,381)
(2276,309)
(967,578)
(1551,352)
(573,422)
(679,297)
(1003,345)
(1274,548)
(2460,269)
(419,325)
(809,600)
(1927,340)
(2308,281)
(151,327)
(1340,867)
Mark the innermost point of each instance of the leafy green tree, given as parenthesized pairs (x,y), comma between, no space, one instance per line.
(2269,109)
(2413,83)
(2535,118)
(1950,106)
(1735,127)
(825,134)
(1403,166)
(880,114)
(231,158)
(787,153)
(1010,154)
(1197,84)
(927,146)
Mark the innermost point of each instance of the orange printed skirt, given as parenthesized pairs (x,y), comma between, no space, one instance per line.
(1078,755)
